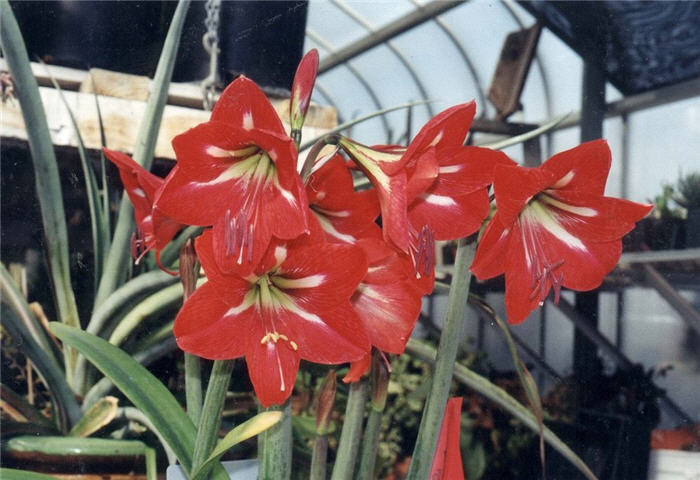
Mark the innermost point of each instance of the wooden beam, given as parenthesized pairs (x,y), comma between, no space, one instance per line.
(133,87)
(121,118)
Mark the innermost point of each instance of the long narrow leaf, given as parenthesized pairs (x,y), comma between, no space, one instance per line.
(15,300)
(106,223)
(166,299)
(501,398)
(96,417)
(524,375)
(67,409)
(12,474)
(116,302)
(118,258)
(145,358)
(144,390)
(91,190)
(48,184)
(361,119)
(248,429)
(501,144)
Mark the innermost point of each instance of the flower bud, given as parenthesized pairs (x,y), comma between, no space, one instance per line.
(189,268)
(326,401)
(379,379)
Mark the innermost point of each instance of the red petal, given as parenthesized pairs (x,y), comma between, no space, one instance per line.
(583,168)
(490,258)
(447,462)
(329,337)
(358,368)
(232,288)
(595,218)
(447,129)
(273,368)
(303,86)
(389,312)
(320,277)
(139,184)
(467,169)
(514,186)
(449,217)
(243,105)
(203,327)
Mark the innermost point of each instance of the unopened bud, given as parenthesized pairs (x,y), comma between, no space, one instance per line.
(379,379)
(189,268)
(326,401)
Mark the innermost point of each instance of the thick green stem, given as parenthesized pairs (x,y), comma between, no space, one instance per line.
(193,387)
(319,458)
(211,412)
(276,445)
(434,408)
(368,455)
(351,433)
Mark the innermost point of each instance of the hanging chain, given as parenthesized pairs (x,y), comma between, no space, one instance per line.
(210,40)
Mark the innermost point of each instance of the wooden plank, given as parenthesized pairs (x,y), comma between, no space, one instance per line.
(133,87)
(121,118)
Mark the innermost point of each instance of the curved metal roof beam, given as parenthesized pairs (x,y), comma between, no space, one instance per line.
(394,49)
(467,61)
(378,105)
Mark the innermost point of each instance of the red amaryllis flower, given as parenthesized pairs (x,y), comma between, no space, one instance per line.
(154,229)
(436,189)
(343,214)
(447,462)
(237,173)
(554,228)
(295,305)
(302,87)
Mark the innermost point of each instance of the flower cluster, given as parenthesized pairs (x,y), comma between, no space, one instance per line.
(300,268)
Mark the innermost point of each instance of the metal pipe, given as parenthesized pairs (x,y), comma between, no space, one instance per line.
(418,16)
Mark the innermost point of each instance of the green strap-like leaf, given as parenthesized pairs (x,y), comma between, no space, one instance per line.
(118,258)
(143,389)
(501,144)
(361,119)
(106,223)
(67,409)
(501,398)
(248,429)
(16,301)
(12,474)
(166,299)
(97,416)
(48,184)
(91,190)
(115,303)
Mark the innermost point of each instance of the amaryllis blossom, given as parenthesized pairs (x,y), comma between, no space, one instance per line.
(436,189)
(343,214)
(447,462)
(238,174)
(554,228)
(295,305)
(154,229)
